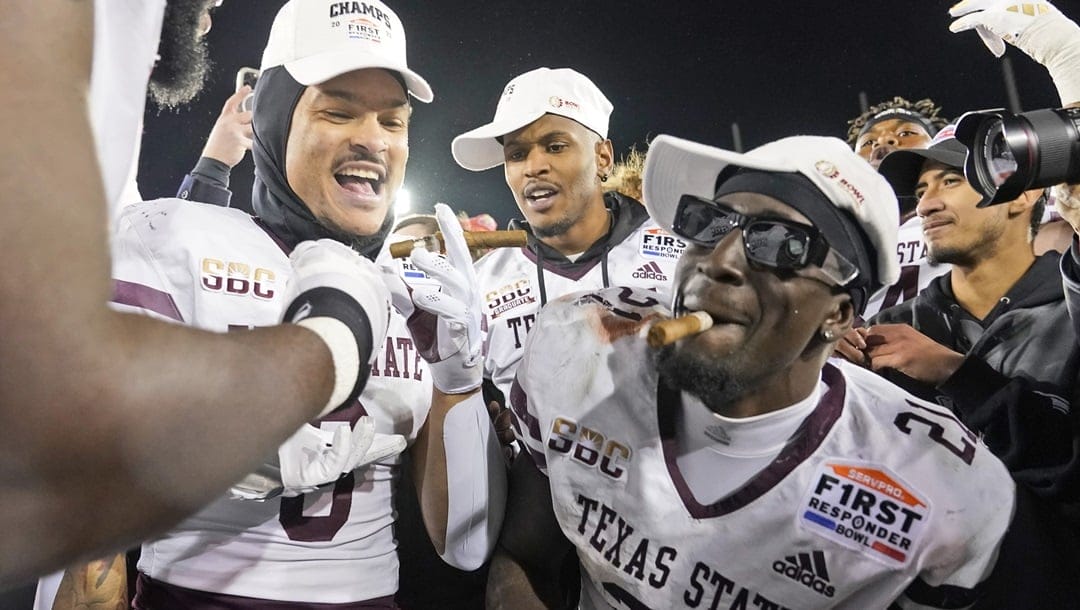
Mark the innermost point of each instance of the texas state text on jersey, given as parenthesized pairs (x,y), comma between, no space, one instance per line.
(880,497)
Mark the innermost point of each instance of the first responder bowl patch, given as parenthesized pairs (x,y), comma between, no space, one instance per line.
(867,508)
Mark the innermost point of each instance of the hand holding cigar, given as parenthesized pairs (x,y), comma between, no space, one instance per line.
(666,332)
(473,239)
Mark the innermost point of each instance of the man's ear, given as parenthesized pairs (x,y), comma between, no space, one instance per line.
(605,157)
(841,317)
(1024,202)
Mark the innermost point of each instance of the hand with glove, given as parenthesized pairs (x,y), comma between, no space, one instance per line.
(1036,28)
(341,296)
(315,456)
(446,329)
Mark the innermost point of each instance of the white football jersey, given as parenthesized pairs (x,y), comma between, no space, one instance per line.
(126,36)
(510,283)
(332,546)
(916,270)
(880,497)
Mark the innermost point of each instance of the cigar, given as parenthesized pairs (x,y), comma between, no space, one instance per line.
(666,332)
(473,239)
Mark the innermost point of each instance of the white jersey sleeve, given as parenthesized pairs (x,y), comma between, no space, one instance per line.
(880,498)
(126,36)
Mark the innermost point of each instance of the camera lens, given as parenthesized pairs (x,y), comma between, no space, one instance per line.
(1000,162)
(1010,154)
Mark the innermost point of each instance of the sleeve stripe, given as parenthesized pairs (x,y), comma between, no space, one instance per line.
(145,297)
(519,404)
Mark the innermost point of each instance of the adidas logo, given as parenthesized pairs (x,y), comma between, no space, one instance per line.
(650,271)
(807,569)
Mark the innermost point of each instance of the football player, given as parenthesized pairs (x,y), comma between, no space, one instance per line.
(737,467)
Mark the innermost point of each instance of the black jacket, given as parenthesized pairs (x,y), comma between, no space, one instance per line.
(1020,378)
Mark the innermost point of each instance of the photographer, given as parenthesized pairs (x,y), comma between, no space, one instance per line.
(993,339)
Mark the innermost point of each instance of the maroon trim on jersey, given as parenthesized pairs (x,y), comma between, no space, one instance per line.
(153,594)
(259,222)
(809,437)
(151,299)
(519,411)
(571,271)
(423,327)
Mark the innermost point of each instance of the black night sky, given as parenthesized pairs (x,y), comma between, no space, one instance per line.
(691,69)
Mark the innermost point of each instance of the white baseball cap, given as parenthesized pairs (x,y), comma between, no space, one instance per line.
(317,40)
(560,91)
(675,167)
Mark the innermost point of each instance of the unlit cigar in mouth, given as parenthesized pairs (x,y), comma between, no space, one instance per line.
(666,332)
(475,240)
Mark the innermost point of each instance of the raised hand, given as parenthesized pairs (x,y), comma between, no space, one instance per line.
(230,138)
(447,329)
(1036,28)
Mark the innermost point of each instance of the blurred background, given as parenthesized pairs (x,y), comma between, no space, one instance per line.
(686,68)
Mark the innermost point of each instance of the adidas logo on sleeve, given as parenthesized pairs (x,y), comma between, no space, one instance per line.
(807,569)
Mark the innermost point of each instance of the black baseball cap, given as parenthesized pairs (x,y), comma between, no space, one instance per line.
(902,167)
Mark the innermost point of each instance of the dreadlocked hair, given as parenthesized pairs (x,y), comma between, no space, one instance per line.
(925,107)
(626,173)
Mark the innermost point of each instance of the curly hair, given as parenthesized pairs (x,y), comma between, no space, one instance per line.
(926,107)
(625,175)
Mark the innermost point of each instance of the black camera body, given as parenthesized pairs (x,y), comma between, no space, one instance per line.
(1012,153)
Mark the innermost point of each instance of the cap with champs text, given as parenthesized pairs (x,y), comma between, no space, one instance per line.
(527,97)
(316,40)
(675,167)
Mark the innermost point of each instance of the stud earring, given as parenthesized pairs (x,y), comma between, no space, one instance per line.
(828,334)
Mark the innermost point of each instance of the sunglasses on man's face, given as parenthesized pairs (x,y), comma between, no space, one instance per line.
(773,243)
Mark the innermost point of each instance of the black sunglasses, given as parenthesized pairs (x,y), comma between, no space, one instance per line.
(773,243)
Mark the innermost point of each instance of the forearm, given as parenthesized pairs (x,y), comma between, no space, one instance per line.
(134,424)
(461,479)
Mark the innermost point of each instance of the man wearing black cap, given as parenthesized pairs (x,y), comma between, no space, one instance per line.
(992,340)
(738,467)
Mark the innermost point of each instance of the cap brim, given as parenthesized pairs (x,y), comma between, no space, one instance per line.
(320,68)
(477,150)
(902,167)
(675,167)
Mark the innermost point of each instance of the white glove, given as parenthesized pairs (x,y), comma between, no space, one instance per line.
(1036,28)
(447,330)
(316,456)
(341,296)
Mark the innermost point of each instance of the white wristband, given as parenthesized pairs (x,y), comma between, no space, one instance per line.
(346,356)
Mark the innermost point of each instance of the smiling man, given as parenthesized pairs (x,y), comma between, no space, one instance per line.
(992,339)
(314,526)
(738,467)
(550,134)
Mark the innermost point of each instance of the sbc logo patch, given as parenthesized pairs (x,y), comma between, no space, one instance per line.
(589,447)
(236,278)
